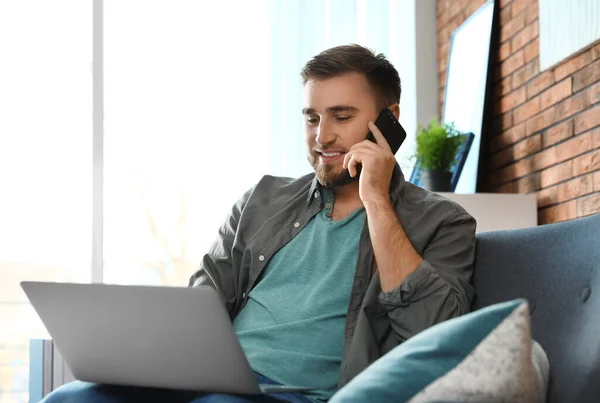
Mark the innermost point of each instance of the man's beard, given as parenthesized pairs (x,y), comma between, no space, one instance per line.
(329,176)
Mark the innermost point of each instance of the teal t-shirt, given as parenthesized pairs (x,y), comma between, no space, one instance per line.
(292,327)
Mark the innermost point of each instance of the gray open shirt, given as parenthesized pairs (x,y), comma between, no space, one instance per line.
(271,213)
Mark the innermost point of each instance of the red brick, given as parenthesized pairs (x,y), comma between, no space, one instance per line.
(507,120)
(556,93)
(505,15)
(596,138)
(502,158)
(443,33)
(532,50)
(528,146)
(513,26)
(506,188)
(540,83)
(597,181)
(512,135)
(532,13)
(575,188)
(572,105)
(512,100)
(586,76)
(540,121)
(513,63)
(448,15)
(504,3)
(526,35)
(442,65)
(596,52)
(545,159)
(498,124)
(595,94)
(588,119)
(558,213)
(527,110)
(588,205)
(523,167)
(572,65)
(506,174)
(504,51)
(441,6)
(472,6)
(558,133)
(495,144)
(494,179)
(528,184)
(503,87)
(442,79)
(547,197)
(556,174)
(519,169)
(498,108)
(497,91)
(442,50)
(586,163)
(576,146)
(525,74)
(518,6)
(456,22)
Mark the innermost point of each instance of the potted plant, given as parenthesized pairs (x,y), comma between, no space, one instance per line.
(437,148)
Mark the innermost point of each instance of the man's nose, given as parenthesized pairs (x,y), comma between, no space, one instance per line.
(324,134)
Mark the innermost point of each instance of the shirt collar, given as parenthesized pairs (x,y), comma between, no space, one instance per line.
(396,185)
(315,186)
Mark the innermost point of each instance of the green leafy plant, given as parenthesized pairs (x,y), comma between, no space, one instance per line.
(437,145)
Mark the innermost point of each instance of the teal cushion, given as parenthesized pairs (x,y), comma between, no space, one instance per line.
(429,355)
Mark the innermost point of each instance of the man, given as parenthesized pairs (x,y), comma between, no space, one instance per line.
(324,274)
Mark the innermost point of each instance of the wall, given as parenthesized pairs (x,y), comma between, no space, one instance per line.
(546,134)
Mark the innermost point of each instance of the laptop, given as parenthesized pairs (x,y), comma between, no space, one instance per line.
(160,337)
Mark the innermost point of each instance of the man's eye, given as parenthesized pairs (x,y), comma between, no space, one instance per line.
(342,118)
(311,120)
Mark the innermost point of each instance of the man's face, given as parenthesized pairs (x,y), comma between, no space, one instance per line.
(336,111)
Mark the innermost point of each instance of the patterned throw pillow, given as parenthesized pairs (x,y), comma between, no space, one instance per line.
(487,355)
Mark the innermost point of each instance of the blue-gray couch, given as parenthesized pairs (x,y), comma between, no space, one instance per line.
(557,268)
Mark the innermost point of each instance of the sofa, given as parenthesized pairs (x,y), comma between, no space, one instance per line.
(557,269)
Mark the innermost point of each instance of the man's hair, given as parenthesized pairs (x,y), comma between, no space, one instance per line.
(380,73)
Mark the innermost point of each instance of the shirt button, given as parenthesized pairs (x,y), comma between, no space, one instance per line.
(329,214)
(261,258)
(244,296)
(328,206)
(297,224)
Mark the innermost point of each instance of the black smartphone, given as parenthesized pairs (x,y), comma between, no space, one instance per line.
(391,129)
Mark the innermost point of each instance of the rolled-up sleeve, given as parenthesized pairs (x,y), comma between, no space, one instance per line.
(439,288)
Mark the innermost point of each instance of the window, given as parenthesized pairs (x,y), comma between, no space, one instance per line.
(186,129)
(45,165)
(199,103)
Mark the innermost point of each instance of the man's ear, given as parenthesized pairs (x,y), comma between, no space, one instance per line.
(395,108)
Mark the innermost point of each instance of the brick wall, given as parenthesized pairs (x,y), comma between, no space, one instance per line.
(546,129)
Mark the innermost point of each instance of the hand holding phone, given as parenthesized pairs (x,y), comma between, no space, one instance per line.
(391,129)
